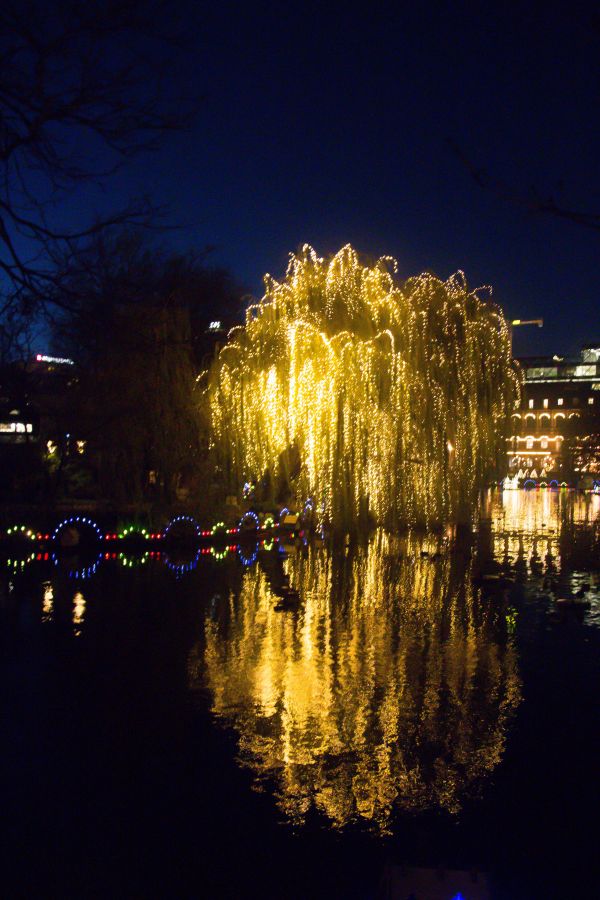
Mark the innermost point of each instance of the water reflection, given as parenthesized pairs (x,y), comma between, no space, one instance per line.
(78,612)
(48,602)
(538,531)
(391,683)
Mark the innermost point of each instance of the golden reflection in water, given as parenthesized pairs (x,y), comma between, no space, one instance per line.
(78,612)
(392,685)
(48,602)
(533,527)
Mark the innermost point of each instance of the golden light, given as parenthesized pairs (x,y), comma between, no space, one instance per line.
(78,611)
(393,686)
(345,387)
(48,602)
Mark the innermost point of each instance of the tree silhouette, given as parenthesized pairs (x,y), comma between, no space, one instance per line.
(83,88)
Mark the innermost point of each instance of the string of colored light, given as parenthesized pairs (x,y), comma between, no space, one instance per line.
(249,522)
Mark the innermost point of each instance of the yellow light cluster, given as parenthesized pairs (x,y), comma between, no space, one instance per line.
(393,686)
(533,530)
(382,402)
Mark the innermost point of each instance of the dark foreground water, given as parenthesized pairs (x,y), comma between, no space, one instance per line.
(167,731)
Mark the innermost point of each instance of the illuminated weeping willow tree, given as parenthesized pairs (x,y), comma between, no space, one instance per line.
(379,401)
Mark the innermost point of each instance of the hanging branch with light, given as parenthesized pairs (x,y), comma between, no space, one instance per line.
(384,402)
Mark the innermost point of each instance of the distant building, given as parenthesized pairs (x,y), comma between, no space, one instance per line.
(18,422)
(207,341)
(556,430)
(34,399)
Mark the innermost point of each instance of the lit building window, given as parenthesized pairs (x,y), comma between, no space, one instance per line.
(545,403)
(531,404)
(560,401)
(590,401)
(544,444)
(16,427)
(542,372)
(591,354)
(529,443)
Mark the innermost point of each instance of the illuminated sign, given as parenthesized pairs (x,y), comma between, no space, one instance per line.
(58,360)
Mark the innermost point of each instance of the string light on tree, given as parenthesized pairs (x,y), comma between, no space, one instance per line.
(384,402)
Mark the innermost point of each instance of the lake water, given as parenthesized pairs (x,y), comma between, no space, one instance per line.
(169,730)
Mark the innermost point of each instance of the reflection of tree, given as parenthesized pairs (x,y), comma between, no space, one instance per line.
(392,686)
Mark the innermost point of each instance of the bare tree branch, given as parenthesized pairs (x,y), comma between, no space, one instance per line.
(533,201)
(83,88)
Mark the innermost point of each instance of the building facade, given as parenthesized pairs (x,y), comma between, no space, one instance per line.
(556,430)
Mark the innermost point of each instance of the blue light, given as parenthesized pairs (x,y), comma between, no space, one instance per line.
(181,568)
(75,520)
(187,519)
(248,560)
(249,515)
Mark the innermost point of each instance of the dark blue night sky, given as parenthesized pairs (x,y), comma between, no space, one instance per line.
(332,125)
